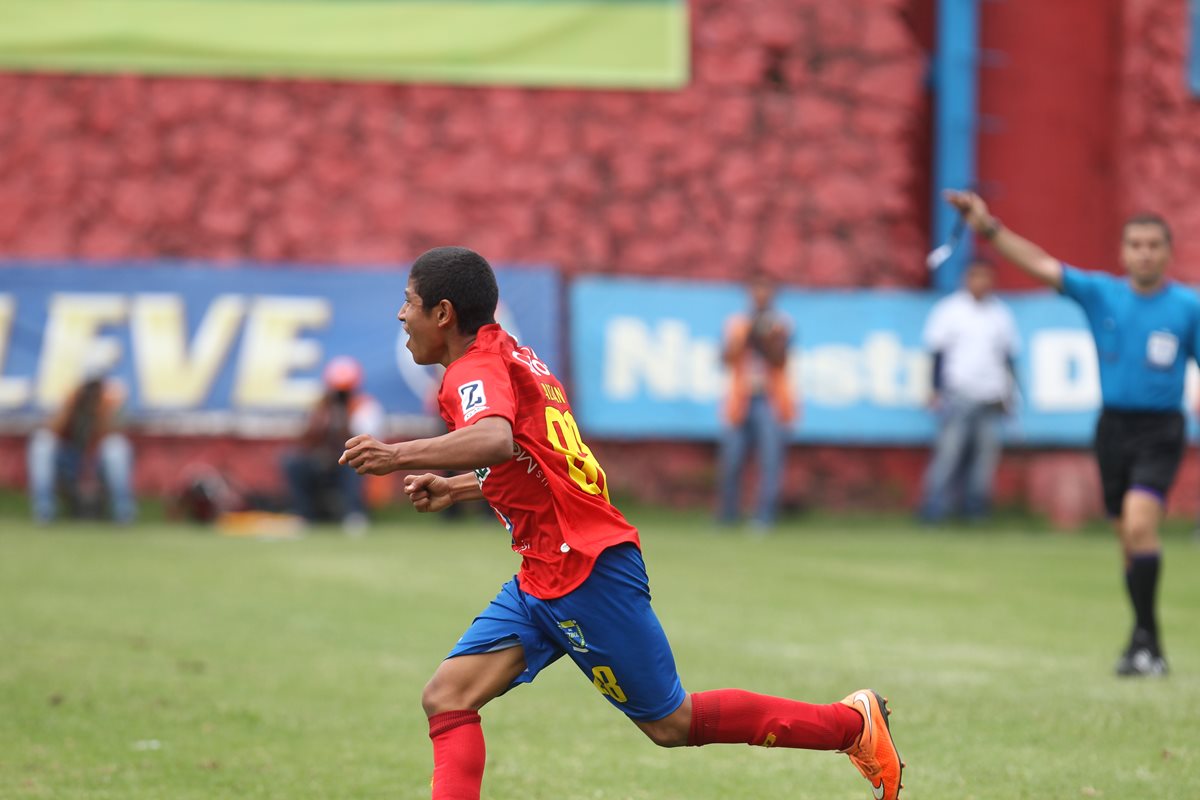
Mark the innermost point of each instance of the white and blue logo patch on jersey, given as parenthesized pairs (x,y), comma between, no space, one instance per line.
(1161,349)
(472,398)
(574,634)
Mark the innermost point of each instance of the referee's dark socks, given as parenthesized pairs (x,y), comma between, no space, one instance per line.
(1141,578)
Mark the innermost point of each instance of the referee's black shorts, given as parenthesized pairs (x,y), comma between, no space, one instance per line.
(1138,450)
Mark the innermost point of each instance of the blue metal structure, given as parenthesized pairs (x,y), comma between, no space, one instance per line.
(956,124)
(1194,59)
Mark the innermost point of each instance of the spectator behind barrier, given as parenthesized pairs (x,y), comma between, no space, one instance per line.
(759,406)
(973,338)
(319,490)
(83,433)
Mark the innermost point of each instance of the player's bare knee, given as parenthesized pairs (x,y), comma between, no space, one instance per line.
(429,698)
(1140,537)
(665,732)
(439,695)
(664,737)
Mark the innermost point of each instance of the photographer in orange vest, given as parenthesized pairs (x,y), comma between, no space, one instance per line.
(759,408)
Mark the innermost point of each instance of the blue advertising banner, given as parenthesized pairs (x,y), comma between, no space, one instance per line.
(240,350)
(647,366)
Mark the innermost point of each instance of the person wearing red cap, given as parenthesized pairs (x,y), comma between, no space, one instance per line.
(319,491)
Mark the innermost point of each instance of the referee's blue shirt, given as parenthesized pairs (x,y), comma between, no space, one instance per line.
(1143,342)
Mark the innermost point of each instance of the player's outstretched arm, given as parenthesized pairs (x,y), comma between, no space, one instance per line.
(486,443)
(431,493)
(1029,257)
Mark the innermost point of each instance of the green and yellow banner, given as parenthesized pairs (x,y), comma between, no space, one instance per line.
(584,43)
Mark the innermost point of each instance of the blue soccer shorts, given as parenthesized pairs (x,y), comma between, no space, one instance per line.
(606,626)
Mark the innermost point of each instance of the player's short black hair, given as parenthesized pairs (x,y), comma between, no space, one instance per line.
(1148,218)
(462,277)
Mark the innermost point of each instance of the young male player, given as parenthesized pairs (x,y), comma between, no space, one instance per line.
(1145,328)
(582,589)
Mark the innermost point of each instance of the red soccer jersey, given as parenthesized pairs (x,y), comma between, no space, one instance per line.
(552,495)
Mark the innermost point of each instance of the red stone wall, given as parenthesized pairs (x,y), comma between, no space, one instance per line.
(1159,131)
(792,146)
(802,143)
(1061,486)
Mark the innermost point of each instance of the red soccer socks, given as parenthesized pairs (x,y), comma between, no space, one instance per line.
(720,716)
(736,716)
(458,755)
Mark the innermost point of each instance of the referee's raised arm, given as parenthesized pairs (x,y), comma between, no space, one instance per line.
(1013,247)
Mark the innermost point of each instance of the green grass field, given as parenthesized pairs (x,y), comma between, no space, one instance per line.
(166,662)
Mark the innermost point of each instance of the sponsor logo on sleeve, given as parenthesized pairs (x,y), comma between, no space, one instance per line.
(472,398)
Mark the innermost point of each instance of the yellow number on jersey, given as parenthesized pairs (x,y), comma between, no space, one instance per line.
(583,467)
(604,680)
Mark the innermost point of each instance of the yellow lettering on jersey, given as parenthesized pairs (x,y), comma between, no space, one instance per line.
(553,393)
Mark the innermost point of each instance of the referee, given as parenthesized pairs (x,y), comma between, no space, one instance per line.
(1145,329)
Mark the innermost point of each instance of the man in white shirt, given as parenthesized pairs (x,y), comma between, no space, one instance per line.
(973,339)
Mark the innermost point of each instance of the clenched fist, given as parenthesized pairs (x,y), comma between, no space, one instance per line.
(428,492)
(971,206)
(368,456)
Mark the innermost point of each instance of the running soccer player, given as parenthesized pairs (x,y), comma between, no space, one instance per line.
(581,590)
(1145,329)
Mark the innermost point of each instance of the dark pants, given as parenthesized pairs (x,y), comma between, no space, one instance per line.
(1138,450)
(320,491)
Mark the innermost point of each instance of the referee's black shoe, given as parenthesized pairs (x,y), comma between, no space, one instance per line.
(1143,657)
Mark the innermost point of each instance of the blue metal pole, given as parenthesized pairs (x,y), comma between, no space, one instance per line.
(1194,70)
(956,125)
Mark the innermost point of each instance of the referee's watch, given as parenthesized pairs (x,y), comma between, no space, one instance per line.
(993,227)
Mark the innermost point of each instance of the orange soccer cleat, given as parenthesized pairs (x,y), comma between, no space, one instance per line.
(875,754)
